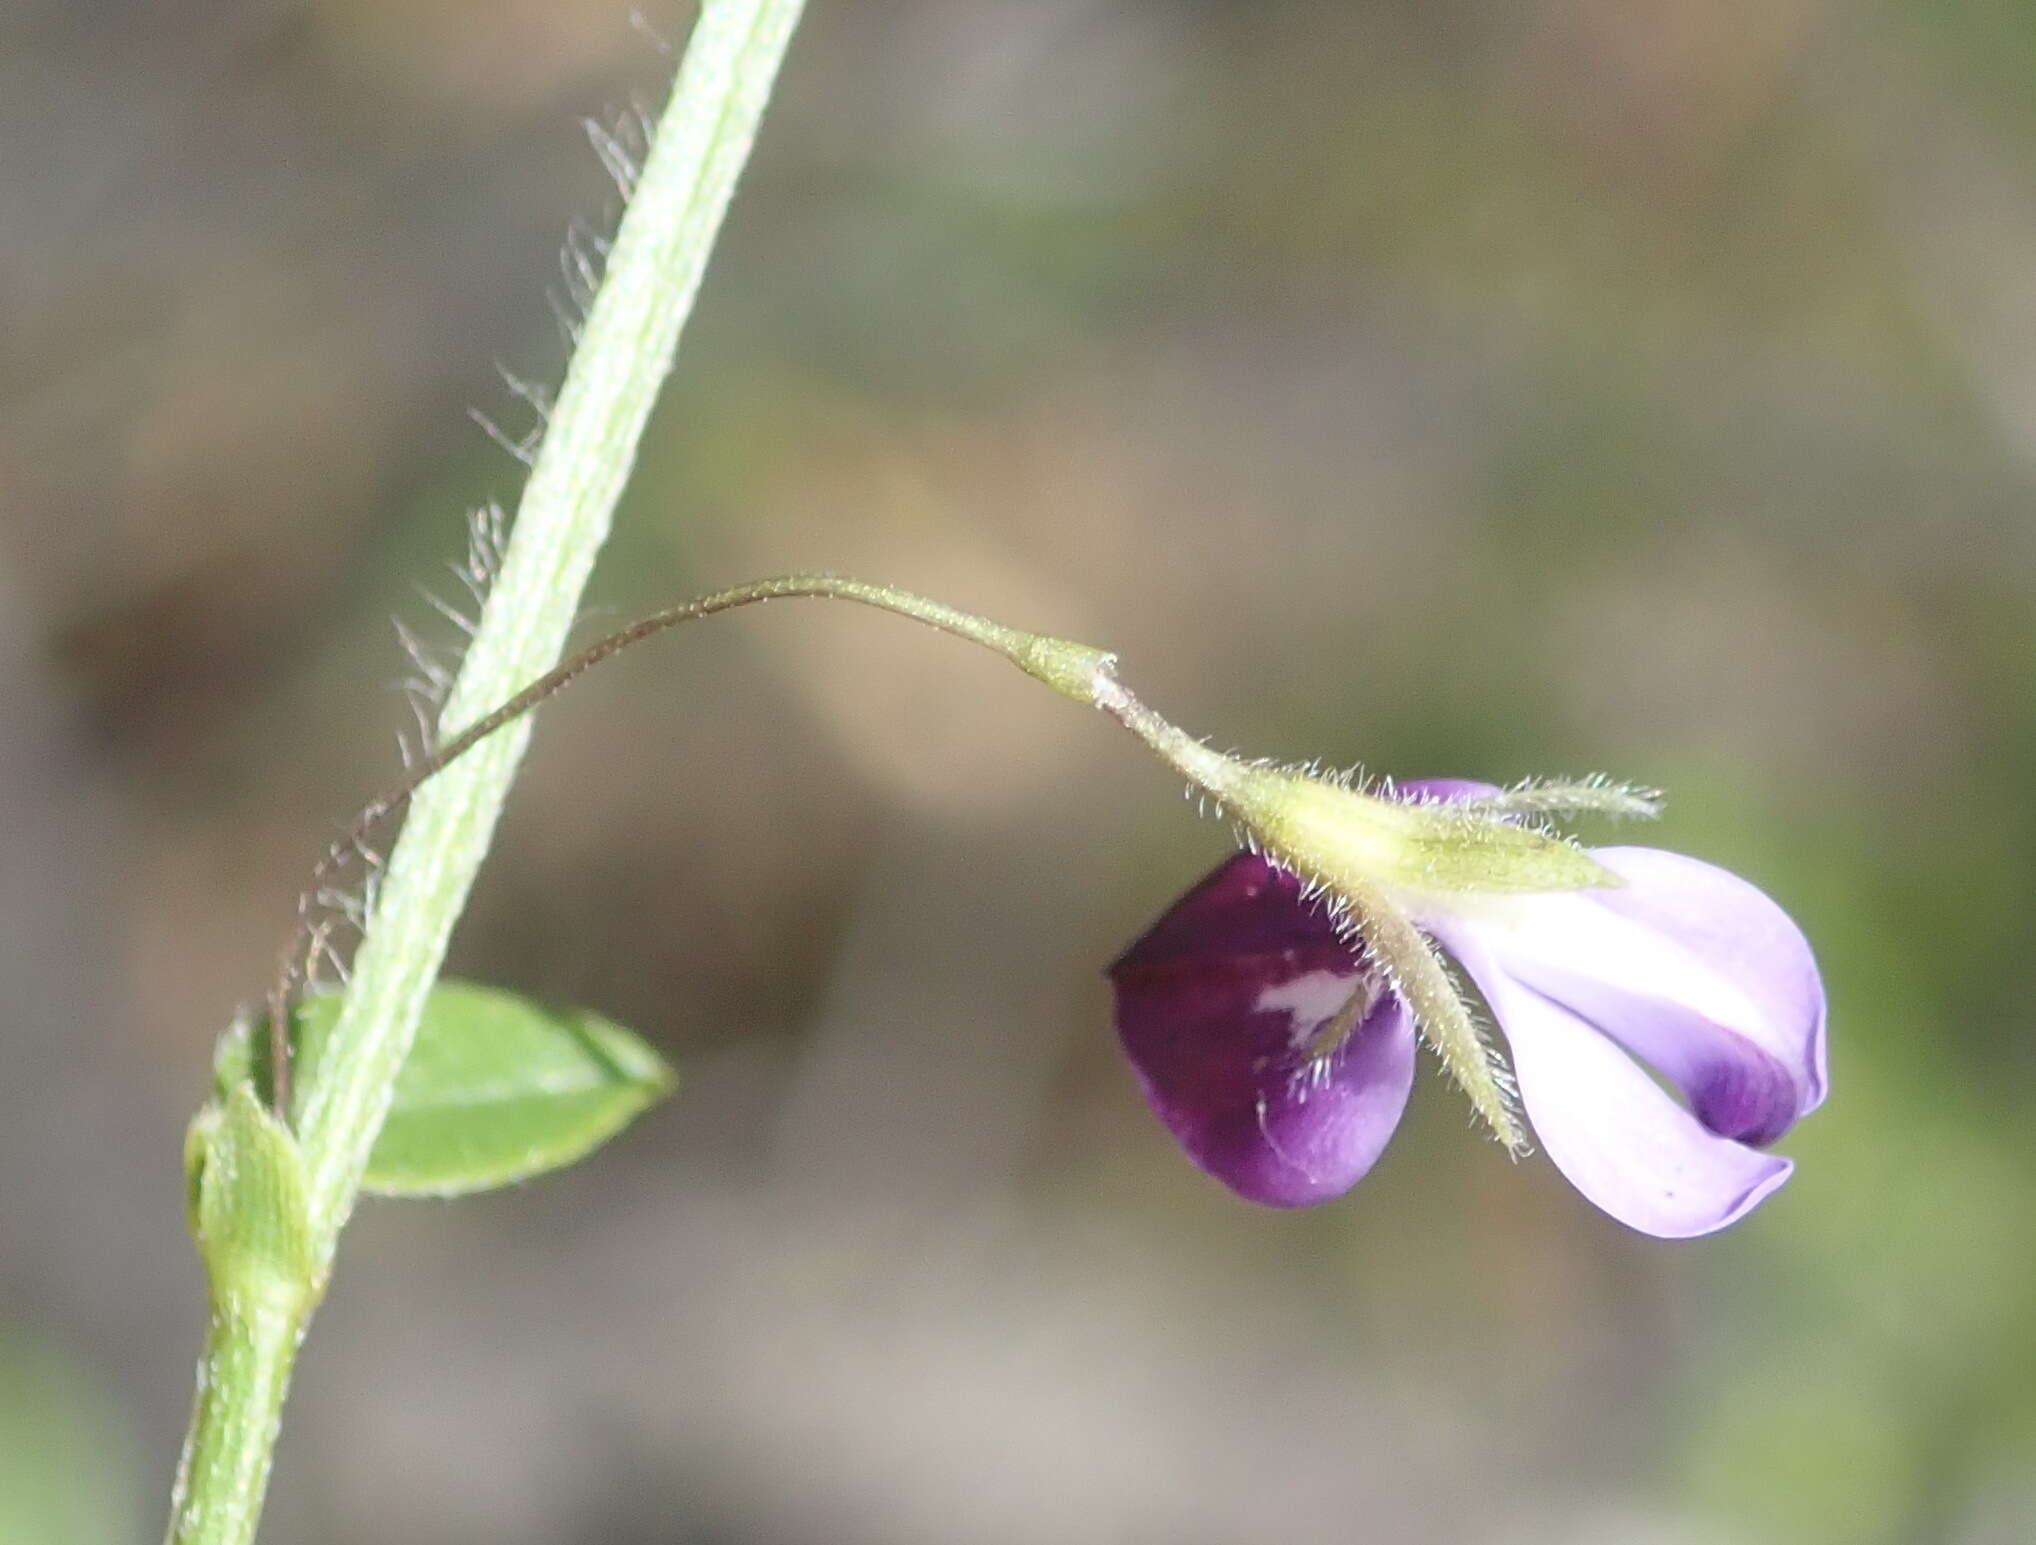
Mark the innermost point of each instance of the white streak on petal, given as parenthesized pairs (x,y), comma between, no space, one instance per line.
(1309,1001)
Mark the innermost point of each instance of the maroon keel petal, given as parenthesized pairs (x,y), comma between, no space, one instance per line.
(1217,1007)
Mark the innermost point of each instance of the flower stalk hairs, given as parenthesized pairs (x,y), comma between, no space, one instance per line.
(1273,1012)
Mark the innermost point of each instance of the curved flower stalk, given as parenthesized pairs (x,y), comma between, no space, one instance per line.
(1272,1046)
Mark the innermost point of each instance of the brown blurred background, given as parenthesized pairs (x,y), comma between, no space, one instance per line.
(1467,388)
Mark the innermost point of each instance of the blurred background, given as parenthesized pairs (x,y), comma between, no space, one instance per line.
(1463,388)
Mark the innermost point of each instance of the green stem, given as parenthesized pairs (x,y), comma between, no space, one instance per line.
(242,1378)
(1211,771)
(624,352)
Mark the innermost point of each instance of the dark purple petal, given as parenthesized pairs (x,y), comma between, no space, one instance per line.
(1216,1007)
(1615,1134)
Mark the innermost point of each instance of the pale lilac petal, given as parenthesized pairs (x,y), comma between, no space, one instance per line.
(1617,1135)
(1741,934)
(1216,1007)
(1688,967)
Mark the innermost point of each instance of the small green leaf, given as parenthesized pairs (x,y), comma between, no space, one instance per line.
(498,1089)
(248,1213)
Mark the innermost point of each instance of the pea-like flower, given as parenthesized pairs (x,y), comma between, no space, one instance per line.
(1275,1034)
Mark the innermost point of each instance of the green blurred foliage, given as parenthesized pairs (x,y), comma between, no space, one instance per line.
(67,1461)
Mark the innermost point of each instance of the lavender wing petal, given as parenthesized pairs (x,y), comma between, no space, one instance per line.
(1615,1134)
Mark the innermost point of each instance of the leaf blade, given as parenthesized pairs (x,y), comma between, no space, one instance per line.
(497,1089)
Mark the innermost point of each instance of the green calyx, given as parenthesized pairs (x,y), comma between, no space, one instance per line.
(1334,834)
(1382,860)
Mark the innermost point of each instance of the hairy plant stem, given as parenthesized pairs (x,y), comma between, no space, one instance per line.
(624,351)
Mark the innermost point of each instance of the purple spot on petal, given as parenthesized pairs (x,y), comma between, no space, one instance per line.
(1751,1100)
